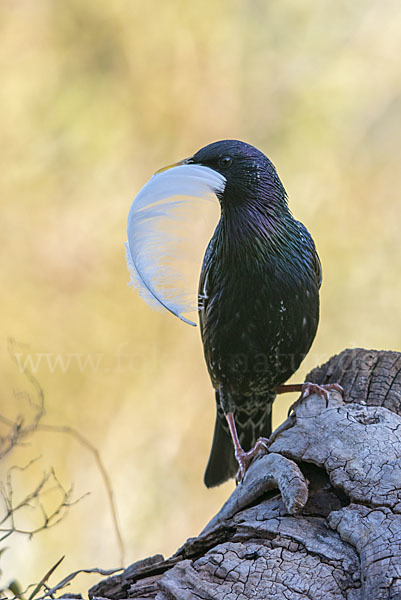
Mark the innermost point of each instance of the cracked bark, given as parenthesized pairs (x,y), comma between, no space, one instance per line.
(319,517)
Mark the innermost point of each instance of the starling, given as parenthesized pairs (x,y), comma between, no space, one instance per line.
(258,299)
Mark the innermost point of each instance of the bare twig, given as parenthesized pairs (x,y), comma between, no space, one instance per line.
(105,476)
(18,432)
(51,591)
(32,500)
(17,429)
(45,578)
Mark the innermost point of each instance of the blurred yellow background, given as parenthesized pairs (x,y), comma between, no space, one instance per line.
(94,98)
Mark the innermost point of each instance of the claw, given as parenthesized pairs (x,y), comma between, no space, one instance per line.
(245,458)
(309,388)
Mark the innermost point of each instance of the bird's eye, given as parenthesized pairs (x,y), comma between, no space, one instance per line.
(225,162)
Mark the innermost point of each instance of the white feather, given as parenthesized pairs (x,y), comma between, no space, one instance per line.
(153,250)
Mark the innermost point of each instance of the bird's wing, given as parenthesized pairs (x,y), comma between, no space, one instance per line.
(318,267)
(203,290)
(312,253)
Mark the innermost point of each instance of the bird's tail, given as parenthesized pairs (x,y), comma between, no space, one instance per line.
(253,420)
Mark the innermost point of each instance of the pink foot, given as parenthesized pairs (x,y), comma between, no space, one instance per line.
(309,388)
(245,458)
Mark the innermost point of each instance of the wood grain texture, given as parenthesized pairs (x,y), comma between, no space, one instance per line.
(319,517)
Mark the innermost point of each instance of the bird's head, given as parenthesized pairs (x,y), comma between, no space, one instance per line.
(244,174)
(249,175)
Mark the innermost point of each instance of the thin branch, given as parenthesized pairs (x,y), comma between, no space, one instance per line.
(71,576)
(49,592)
(17,432)
(32,501)
(105,476)
(45,578)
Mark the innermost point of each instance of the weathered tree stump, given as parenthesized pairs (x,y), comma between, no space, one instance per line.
(333,530)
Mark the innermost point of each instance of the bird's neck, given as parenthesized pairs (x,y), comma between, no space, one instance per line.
(259,227)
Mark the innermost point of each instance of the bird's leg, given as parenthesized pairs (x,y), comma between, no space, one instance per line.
(244,459)
(238,450)
(307,389)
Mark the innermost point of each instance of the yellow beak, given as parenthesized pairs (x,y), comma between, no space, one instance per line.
(177,164)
